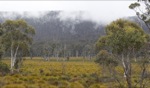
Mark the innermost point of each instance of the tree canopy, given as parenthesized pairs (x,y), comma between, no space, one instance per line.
(17,36)
(123,38)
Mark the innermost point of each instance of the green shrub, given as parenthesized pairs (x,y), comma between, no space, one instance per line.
(4,68)
(105,58)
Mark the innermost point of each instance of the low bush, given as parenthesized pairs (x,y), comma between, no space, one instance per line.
(4,68)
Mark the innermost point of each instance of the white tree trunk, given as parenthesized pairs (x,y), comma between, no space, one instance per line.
(127,69)
(13,57)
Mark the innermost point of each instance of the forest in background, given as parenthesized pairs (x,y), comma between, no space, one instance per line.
(68,37)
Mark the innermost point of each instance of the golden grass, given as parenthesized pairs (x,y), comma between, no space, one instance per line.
(76,73)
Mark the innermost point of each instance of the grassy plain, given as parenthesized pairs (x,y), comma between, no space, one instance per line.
(75,73)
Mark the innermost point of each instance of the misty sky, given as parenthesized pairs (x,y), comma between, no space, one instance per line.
(96,10)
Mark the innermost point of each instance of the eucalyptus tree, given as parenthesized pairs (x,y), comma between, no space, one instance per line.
(142,14)
(17,37)
(123,39)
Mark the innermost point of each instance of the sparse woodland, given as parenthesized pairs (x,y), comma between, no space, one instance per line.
(48,52)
